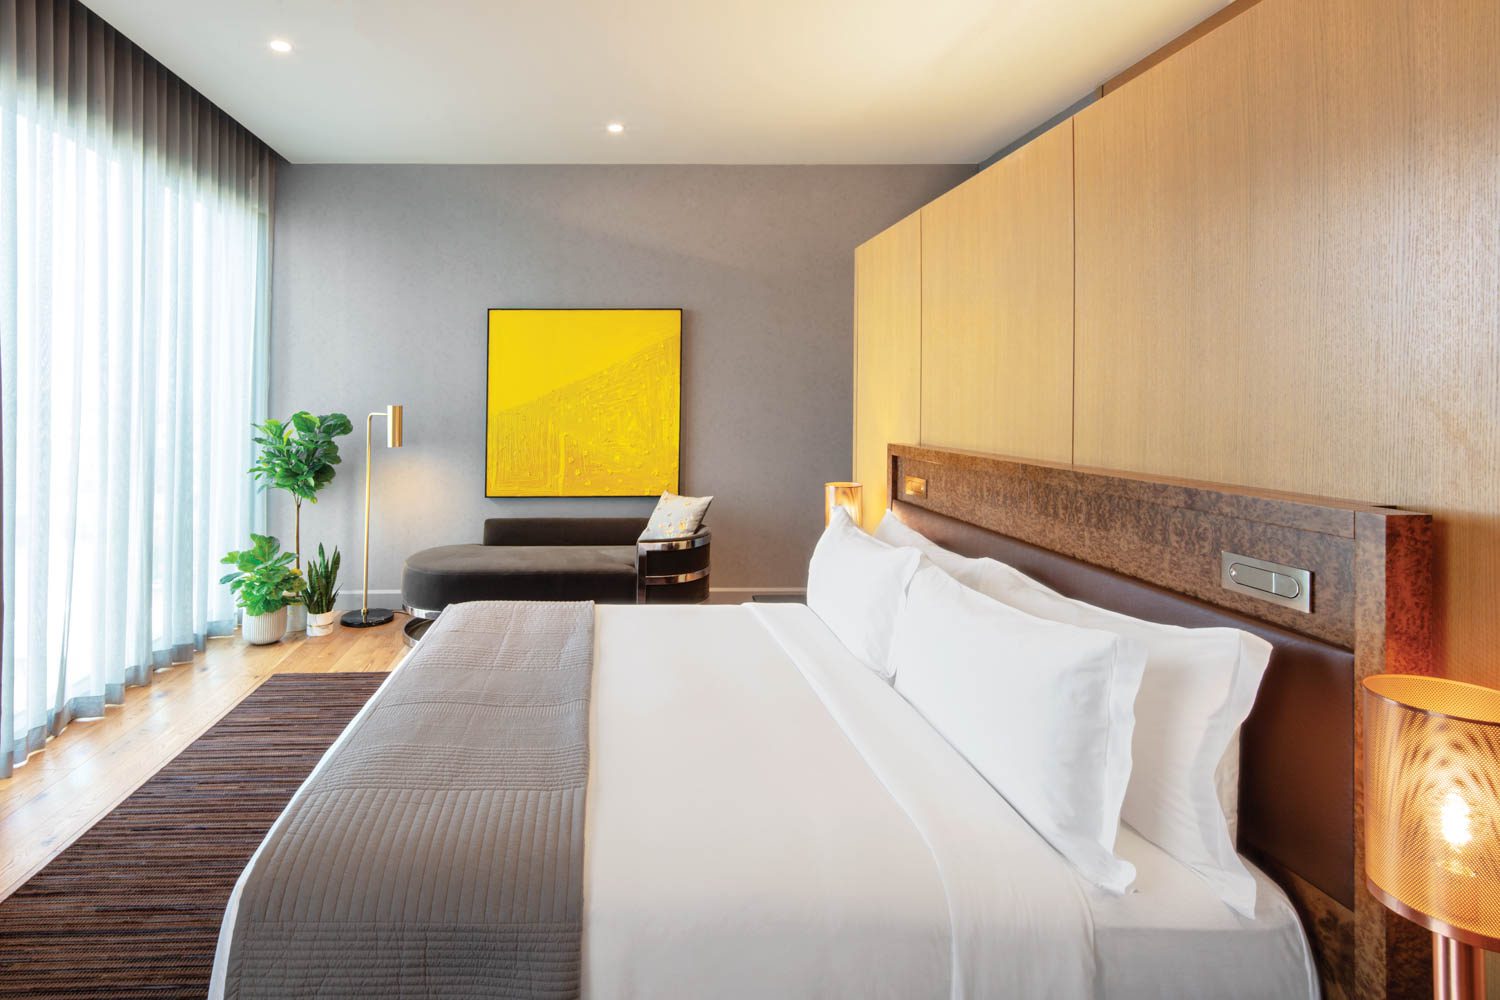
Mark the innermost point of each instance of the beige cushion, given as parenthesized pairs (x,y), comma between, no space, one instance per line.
(676,517)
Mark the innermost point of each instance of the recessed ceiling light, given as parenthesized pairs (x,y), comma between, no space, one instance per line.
(280,45)
(614,128)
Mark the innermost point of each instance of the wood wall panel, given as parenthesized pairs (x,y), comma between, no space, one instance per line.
(997,306)
(887,354)
(1288,272)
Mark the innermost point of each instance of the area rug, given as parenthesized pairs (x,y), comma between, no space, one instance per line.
(132,908)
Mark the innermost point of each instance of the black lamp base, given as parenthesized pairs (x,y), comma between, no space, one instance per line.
(368,618)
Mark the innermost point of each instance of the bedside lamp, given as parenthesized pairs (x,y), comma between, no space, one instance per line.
(846,495)
(366,615)
(1432,817)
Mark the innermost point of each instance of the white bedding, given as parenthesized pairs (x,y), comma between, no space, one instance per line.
(1174,937)
(766,818)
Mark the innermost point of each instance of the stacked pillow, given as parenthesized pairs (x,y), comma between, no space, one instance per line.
(1041,709)
(1197,687)
(857,585)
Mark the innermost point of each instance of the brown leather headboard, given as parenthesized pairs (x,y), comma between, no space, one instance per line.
(1150,548)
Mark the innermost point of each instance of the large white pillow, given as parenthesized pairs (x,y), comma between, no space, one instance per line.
(1199,686)
(1041,709)
(857,585)
(893,531)
(977,573)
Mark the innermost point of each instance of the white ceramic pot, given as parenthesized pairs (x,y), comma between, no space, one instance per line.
(323,624)
(296,618)
(262,630)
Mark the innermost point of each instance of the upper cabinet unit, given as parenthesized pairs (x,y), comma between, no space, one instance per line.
(887,354)
(1289,271)
(997,306)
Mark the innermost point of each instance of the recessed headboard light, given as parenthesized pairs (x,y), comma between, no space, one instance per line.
(614,128)
(280,46)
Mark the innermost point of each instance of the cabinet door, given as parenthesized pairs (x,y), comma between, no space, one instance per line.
(1287,272)
(887,354)
(997,306)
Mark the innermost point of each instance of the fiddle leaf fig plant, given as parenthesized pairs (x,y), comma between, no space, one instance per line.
(298,455)
(263,580)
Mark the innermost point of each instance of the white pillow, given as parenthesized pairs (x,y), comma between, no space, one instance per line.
(893,531)
(676,516)
(1041,709)
(1198,688)
(857,585)
(973,573)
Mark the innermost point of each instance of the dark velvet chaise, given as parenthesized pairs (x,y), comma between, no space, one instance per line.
(556,559)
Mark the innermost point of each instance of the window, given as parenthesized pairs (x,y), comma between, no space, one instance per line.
(134,254)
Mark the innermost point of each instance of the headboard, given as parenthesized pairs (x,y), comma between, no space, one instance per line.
(1154,548)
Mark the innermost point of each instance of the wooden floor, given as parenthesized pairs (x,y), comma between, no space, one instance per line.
(93,765)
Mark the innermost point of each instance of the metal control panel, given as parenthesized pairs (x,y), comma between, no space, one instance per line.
(1287,586)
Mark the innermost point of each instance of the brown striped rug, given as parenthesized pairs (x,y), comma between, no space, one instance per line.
(132,909)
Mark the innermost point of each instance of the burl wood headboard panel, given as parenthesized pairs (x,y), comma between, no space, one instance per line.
(1153,545)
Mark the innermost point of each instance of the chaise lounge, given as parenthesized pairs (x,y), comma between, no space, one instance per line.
(600,559)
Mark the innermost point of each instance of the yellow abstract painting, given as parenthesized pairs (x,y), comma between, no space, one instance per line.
(583,402)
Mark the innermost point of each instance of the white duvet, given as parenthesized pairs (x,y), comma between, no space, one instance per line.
(766,818)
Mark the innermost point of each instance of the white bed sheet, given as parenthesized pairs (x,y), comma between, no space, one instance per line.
(1169,937)
(766,818)
(736,843)
(1172,937)
(1018,917)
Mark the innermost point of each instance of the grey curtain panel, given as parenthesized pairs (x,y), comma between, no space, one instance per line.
(135,241)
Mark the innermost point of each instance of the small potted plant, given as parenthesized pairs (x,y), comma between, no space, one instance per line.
(264,582)
(321,592)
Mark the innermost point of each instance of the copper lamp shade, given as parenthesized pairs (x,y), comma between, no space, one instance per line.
(846,495)
(1432,816)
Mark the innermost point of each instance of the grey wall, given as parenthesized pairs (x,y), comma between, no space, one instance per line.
(382,279)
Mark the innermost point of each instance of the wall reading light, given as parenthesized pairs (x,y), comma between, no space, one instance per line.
(846,495)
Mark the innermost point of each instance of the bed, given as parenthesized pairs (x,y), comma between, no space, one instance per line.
(766,817)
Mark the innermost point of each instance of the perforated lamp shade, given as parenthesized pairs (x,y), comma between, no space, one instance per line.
(849,496)
(1432,803)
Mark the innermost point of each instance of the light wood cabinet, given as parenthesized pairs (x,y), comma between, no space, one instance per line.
(1288,272)
(887,354)
(997,306)
(1286,275)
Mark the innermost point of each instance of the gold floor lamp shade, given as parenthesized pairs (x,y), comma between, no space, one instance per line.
(1432,816)
(846,495)
(394,435)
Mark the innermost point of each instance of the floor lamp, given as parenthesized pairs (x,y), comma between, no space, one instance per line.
(366,615)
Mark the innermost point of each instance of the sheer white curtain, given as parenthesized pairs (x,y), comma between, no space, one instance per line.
(134,263)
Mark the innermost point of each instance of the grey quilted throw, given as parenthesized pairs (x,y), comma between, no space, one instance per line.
(438,848)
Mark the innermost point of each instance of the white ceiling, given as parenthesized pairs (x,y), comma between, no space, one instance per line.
(694,81)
